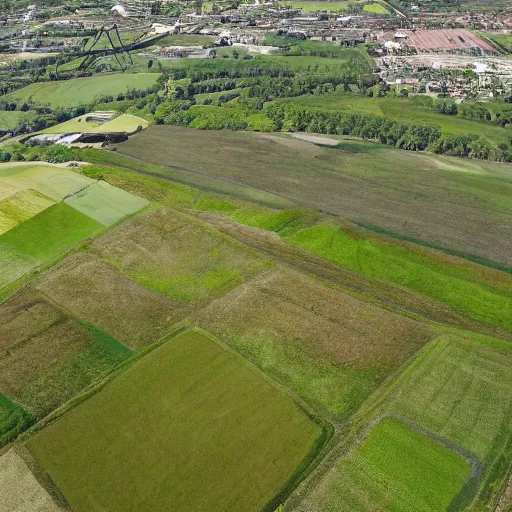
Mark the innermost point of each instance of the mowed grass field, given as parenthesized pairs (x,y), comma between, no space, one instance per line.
(49,180)
(81,91)
(21,206)
(104,203)
(193,426)
(397,469)
(413,195)
(456,389)
(41,238)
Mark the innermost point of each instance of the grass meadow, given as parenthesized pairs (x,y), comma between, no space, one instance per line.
(215,435)
(81,91)
(456,390)
(396,469)
(21,206)
(90,289)
(47,356)
(472,290)
(330,348)
(42,238)
(402,110)
(179,257)
(442,202)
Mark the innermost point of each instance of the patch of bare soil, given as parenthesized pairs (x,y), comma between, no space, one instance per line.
(19,489)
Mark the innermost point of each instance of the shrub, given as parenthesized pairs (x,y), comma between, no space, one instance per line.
(5,156)
(58,154)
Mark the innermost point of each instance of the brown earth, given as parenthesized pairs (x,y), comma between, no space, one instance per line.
(98,294)
(330,323)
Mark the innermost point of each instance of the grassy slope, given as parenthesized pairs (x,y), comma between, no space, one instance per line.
(21,206)
(410,194)
(122,123)
(105,204)
(51,181)
(41,238)
(229,420)
(79,91)
(402,110)
(10,119)
(460,286)
(397,469)
(456,389)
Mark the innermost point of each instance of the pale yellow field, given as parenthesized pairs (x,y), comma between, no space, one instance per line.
(19,490)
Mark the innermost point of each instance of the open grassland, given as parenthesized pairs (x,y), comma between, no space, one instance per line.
(397,469)
(41,238)
(330,348)
(335,6)
(11,119)
(19,488)
(177,256)
(49,180)
(403,110)
(457,389)
(104,203)
(81,91)
(21,206)
(411,195)
(472,290)
(123,123)
(99,295)
(46,356)
(186,40)
(215,435)
(277,227)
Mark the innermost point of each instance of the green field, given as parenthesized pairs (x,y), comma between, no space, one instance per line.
(51,181)
(41,238)
(193,426)
(46,356)
(396,469)
(19,207)
(13,420)
(81,91)
(462,287)
(10,119)
(444,202)
(402,110)
(456,389)
(183,259)
(104,203)
(343,6)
